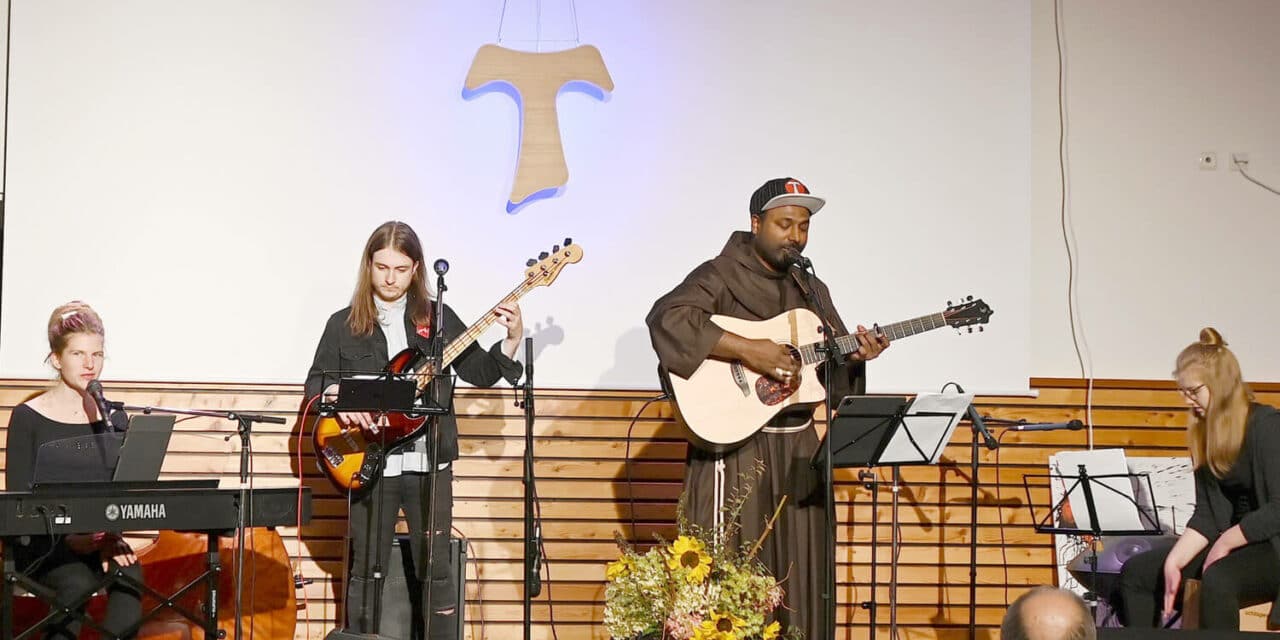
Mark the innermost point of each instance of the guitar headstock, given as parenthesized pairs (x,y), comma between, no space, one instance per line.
(544,269)
(967,313)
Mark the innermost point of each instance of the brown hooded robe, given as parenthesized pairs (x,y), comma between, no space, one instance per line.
(737,284)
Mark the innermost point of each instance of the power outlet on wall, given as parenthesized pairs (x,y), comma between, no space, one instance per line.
(1208,161)
(1239,160)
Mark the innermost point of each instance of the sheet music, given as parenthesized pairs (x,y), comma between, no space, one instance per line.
(931,433)
(1113,498)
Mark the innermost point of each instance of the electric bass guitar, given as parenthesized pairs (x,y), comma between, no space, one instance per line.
(723,403)
(351,456)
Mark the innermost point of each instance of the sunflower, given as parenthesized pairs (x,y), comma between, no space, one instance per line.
(688,552)
(771,631)
(619,568)
(719,626)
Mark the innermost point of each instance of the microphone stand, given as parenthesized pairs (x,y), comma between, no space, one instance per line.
(978,429)
(244,423)
(829,351)
(437,365)
(532,528)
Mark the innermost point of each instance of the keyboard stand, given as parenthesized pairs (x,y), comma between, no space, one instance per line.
(12,578)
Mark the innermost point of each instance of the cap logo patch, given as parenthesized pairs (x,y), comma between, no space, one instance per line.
(794,186)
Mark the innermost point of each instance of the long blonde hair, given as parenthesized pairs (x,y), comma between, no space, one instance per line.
(1216,438)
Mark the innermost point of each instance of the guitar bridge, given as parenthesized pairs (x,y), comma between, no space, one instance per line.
(740,378)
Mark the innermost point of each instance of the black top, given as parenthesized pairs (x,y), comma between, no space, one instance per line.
(1237,486)
(1216,511)
(28,429)
(341,352)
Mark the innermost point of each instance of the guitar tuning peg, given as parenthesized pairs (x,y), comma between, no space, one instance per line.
(970,329)
(531,262)
(543,255)
(948,304)
(980,329)
(969,299)
(555,248)
(568,241)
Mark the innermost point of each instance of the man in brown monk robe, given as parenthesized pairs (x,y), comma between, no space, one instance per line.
(755,278)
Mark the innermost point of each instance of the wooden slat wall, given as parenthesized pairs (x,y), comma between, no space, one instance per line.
(582,450)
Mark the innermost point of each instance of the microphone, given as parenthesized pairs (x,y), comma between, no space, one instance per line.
(95,390)
(793,255)
(981,426)
(441,266)
(1072,425)
(528,361)
(976,419)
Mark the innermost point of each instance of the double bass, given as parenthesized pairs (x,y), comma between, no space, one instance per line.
(175,559)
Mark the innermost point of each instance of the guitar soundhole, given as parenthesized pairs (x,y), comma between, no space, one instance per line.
(772,392)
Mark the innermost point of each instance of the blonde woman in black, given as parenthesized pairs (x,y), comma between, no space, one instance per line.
(1232,541)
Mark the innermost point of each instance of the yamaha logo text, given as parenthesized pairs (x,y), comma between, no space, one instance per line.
(151,511)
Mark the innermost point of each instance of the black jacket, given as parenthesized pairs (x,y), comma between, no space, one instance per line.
(340,352)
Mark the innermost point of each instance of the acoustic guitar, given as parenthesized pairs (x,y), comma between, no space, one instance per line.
(724,403)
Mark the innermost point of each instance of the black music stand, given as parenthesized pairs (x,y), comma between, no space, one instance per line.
(418,392)
(873,431)
(385,392)
(1086,485)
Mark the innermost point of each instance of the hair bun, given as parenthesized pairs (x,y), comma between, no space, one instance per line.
(1210,336)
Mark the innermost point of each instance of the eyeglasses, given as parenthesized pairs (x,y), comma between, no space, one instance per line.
(1191,392)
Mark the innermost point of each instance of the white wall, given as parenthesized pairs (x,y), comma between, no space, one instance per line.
(205,174)
(1164,248)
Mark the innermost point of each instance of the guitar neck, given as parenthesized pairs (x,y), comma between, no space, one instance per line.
(477,329)
(848,343)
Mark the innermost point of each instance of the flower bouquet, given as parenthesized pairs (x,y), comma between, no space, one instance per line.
(695,587)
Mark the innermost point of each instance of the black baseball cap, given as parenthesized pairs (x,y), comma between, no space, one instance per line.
(780,192)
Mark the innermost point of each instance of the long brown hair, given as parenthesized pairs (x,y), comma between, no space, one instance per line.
(400,237)
(1216,438)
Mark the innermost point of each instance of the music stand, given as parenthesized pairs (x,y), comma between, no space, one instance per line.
(88,458)
(413,392)
(1085,485)
(877,431)
(418,391)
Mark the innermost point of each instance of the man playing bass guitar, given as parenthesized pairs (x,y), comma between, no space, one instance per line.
(391,310)
(754,278)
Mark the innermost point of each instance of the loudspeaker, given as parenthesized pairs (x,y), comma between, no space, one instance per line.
(402,591)
(1179,634)
(402,616)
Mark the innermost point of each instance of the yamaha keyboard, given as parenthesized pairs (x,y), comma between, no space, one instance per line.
(180,505)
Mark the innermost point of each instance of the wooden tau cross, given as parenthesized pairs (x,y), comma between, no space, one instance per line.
(538,79)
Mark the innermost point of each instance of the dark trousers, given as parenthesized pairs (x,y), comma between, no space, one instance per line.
(373,526)
(1247,576)
(71,580)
